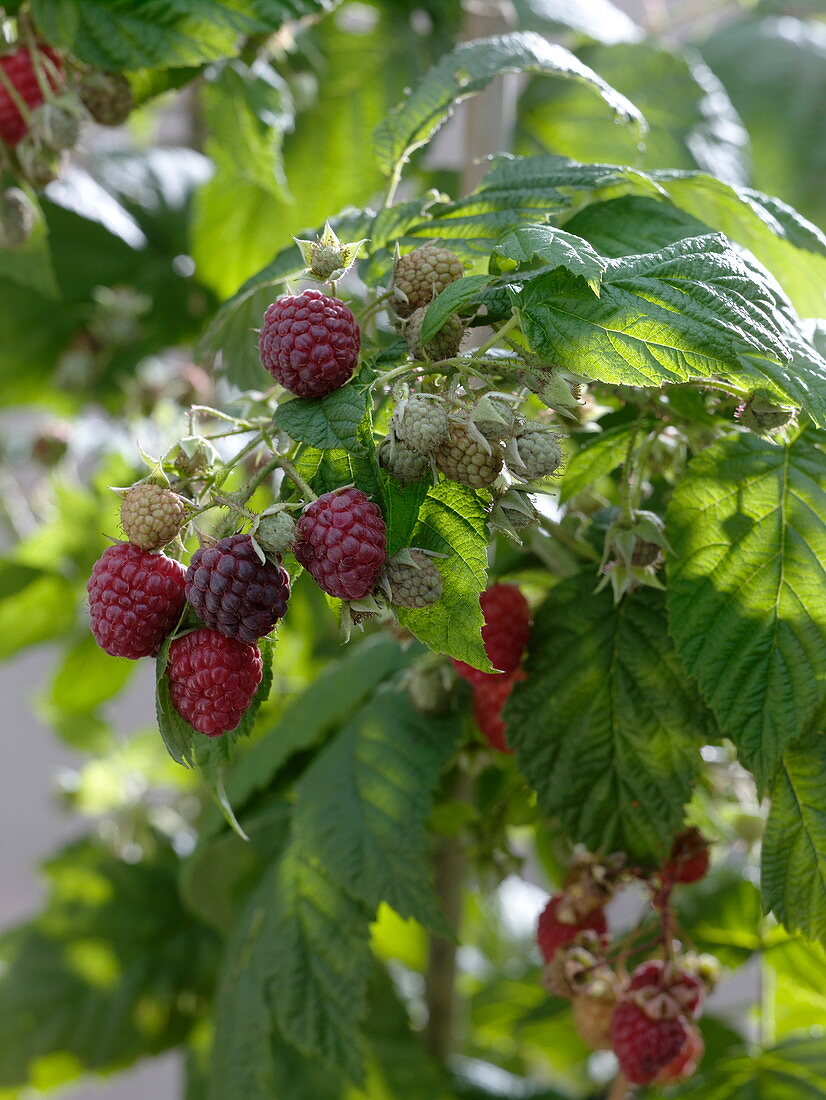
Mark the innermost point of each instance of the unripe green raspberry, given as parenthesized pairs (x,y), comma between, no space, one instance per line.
(534,452)
(57,126)
(107,97)
(421,423)
(151,516)
(17,217)
(444,345)
(422,274)
(462,458)
(493,418)
(430,687)
(413,579)
(399,461)
(275,533)
(763,417)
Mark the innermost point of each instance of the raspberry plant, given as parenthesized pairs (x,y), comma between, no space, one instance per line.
(472,543)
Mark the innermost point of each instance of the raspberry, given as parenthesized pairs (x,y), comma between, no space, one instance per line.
(135,600)
(763,417)
(107,97)
(309,343)
(689,857)
(429,687)
(17,218)
(399,461)
(20,73)
(212,679)
(341,541)
(644,1046)
(444,345)
(57,127)
(464,459)
(151,516)
(592,1018)
(494,419)
(275,533)
(655,978)
(552,931)
(489,700)
(686,1061)
(421,423)
(422,274)
(234,591)
(505,633)
(414,579)
(534,452)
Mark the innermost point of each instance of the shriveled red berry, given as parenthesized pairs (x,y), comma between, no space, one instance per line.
(689,859)
(212,679)
(341,541)
(552,931)
(489,698)
(19,69)
(686,1061)
(656,975)
(135,600)
(644,1046)
(309,343)
(234,591)
(505,633)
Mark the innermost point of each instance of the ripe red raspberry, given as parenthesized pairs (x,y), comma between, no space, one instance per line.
(656,977)
(135,600)
(20,72)
(505,633)
(341,541)
(309,343)
(689,857)
(489,698)
(686,1061)
(644,1046)
(552,931)
(234,591)
(212,679)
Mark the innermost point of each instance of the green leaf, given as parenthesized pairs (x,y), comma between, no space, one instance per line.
(792,1070)
(134,34)
(747,525)
(598,457)
(452,522)
(467,70)
(39,605)
(329,700)
(798,970)
(178,736)
(453,298)
(692,123)
(30,265)
(113,969)
(605,726)
(553,248)
(364,802)
(299,959)
(794,847)
(690,310)
(633,224)
(86,678)
(326,423)
(722,914)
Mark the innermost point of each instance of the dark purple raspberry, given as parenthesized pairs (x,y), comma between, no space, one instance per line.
(212,679)
(135,600)
(309,343)
(234,591)
(341,541)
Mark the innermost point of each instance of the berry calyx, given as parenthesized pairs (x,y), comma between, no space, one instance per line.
(20,72)
(151,516)
(135,600)
(309,343)
(212,679)
(464,459)
(505,633)
(421,423)
(413,579)
(234,592)
(341,540)
(560,924)
(420,275)
(689,858)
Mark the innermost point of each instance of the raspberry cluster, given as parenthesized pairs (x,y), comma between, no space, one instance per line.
(648,1017)
(505,637)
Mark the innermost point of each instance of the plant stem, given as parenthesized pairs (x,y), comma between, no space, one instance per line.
(500,333)
(620,1089)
